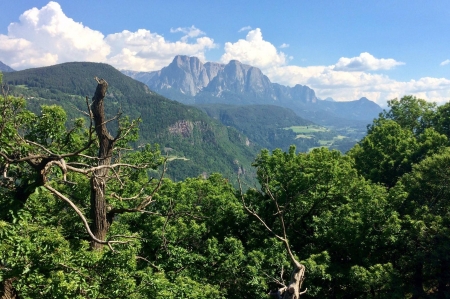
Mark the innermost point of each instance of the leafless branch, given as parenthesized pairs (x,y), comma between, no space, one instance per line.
(150,263)
(83,218)
(41,147)
(148,200)
(141,191)
(81,111)
(274,280)
(122,134)
(117,116)
(250,211)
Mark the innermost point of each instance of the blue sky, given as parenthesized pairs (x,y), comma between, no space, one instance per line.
(342,49)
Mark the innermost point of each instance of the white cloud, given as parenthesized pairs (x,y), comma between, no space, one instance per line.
(365,62)
(254,50)
(347,80)
(47,36)
(190,32)
(246,28)
(146,51)
(346,86)
(284,46)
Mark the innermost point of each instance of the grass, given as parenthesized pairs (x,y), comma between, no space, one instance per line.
(177,158)
(307,129)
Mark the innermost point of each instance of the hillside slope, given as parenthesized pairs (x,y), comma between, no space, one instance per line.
(202,144)
(264,124)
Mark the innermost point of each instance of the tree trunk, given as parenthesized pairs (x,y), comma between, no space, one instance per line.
(8,291)
(297,277)
(100,224)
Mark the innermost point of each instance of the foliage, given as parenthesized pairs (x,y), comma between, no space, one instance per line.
(335,220)
(370,224)
(397,140)
(421,198)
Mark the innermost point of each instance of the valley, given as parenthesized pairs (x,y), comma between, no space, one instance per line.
(213,86)
(224,149)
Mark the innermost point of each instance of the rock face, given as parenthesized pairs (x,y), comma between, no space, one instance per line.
(5,68)
(188,80)
(186,75)
(190,77)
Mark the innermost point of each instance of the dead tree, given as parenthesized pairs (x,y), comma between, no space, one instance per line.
(100,221)
(42,160)
(293,289)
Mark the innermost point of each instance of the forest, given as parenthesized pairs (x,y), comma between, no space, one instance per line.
(84,213)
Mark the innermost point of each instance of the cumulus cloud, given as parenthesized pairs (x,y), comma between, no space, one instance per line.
(284,46)
(145,51)
(246,28)
(348,79)
(365,62)
(47,36)
(254,50)
(347,86)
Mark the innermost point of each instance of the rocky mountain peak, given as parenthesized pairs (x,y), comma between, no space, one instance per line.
(188,64)
(190,81)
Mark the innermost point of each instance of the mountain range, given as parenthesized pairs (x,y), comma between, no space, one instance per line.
(195,143)
(244,111)
(188,80)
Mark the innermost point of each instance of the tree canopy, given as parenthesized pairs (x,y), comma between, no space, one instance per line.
(85,213)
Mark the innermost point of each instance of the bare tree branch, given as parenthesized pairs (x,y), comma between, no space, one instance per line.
(255,214)
(292,291)
(80,214)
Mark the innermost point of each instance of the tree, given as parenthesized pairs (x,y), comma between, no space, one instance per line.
(40,153)
(43,143)
(389,150)
(410,113)
(339,225)
(421,199)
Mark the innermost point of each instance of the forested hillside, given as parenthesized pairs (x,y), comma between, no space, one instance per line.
(266,125)
(84,214)
(196,144)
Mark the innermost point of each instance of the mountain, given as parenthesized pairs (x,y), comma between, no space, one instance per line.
(196,143)
(264,124)
(189,81)
(5,68)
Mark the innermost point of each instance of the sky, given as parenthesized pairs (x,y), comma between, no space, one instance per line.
(342,49)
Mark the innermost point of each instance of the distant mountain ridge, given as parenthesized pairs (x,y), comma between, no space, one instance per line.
(5,68)
(191,78)
(190,81)
(195,143)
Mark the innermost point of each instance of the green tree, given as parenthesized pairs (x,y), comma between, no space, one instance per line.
(40,154)
(410,113)
(389,150)
(338,224)
(421,199)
